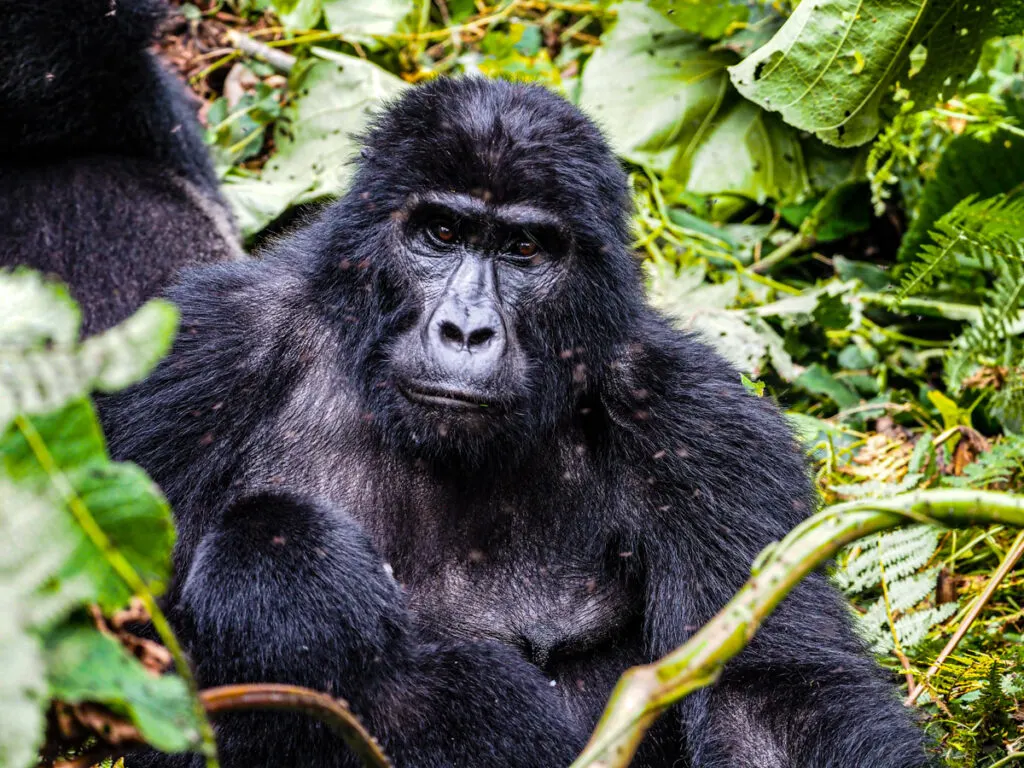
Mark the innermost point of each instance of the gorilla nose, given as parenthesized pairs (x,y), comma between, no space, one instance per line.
(457,338)
(472,335)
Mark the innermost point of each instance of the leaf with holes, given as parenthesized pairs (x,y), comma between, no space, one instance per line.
(830,69)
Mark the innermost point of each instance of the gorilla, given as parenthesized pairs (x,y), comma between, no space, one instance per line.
(104,180)
(432,452)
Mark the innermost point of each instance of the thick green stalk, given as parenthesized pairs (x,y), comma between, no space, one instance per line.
(645,692)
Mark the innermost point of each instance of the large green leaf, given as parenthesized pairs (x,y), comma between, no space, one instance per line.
(31,598)
(43,657)
(830,68)
(299,14)
(84,665)
(61,457)
(708,18)
(749,153)
(653,88)
(37,312)
(316,137)
(80,528)
(664,101)
(360,20)
(42,365)
(956,30)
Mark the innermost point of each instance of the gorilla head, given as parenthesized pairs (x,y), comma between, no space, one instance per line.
(504,247)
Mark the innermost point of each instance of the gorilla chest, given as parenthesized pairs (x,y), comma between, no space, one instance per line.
(518,564)
(552,608)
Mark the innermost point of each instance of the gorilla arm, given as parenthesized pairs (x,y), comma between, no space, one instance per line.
(724,478)
(285,590)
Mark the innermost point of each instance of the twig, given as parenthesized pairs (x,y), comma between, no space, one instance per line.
(980,601)
(279,60)
(334,713)
(1012,757)
(646,691)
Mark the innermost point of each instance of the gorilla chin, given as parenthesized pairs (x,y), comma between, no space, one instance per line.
(458,426)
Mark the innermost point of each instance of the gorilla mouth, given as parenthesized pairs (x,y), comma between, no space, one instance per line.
(439,397)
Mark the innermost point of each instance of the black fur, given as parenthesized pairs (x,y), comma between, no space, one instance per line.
(607,508)
(104,180)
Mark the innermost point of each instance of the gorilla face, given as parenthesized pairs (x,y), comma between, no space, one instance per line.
(495,218)
(480,274)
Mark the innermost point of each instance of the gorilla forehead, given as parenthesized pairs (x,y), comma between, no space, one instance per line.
(505,142)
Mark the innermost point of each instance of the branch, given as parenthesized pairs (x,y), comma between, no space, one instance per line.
(646,691)
(333,712)
(279,60)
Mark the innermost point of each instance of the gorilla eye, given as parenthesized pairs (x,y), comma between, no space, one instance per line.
(527,249)
(441,231)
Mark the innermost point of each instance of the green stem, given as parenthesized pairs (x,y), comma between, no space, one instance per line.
(128,575)
(645,692)
(797,242)
(1010,758)
(929,307)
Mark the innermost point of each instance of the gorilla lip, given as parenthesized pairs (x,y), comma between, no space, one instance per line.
(445,398)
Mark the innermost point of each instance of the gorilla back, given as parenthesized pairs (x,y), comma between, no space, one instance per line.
(453,370)
(104,180)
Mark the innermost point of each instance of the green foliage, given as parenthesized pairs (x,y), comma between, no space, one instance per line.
(995,467)
(236,132)
(335,95)
(89,531)
(967,167)
(829,69)
(84,665)
(708,19)
(985,234)
(664,98)
(359,20)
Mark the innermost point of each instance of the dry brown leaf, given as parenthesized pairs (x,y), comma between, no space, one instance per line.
(987,377)
(971,444)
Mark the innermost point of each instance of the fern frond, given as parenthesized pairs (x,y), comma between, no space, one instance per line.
(989,231)
(1008,404)
(996,466)
(934,262)
(1001,311)
(904,594)
(1001,215)
(912,628)
(900,553)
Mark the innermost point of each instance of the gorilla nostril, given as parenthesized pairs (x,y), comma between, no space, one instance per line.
(451,333)
(480,336)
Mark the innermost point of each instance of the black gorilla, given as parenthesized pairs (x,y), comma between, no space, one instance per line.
(451,375)
(104,180)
